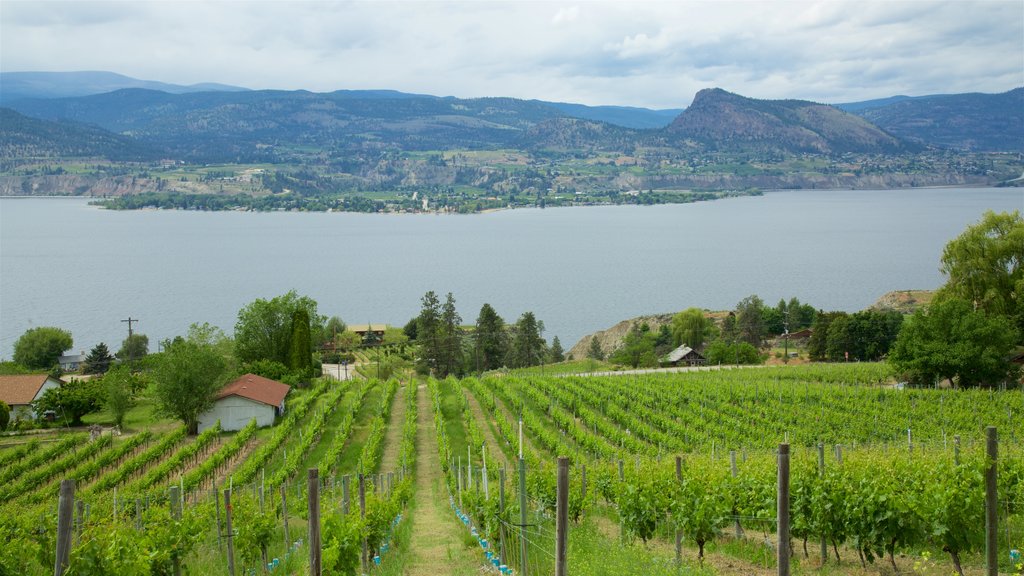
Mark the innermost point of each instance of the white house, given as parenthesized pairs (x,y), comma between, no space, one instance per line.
(71,362)
(19,391)
(248,397)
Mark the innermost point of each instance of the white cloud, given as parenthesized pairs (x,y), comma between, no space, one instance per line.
(566,15)
(654,54)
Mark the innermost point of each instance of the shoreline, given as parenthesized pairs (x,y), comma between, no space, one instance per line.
(725,196)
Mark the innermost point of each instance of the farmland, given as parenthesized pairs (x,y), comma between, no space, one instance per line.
(884,478)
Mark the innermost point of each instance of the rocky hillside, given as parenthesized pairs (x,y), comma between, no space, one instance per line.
(611,338)
(904,301)
(730,122)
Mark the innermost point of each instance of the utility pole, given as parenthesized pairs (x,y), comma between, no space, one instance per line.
(785,325)
(130,321)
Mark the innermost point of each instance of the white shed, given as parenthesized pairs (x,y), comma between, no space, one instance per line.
(248,397)
(20,390)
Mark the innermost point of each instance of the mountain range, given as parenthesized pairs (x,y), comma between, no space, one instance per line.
(219,123)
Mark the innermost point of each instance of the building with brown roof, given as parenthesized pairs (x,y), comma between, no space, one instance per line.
(250,396)
(20,390)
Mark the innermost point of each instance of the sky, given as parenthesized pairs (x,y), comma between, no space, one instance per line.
(648,54)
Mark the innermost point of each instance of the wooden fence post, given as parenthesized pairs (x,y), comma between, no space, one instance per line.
(230,532)
(501,514)
(522,517)
(561,516)
(344,495)
(65,511)
(175,504)
(991,504)
(679,533)
(821,474)
(735,472)
(362,514)
(783,510)
(216,504)
(284,517)
(313,486)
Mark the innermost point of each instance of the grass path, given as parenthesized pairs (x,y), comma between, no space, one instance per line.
(393,436)
(439,542)
(494,446)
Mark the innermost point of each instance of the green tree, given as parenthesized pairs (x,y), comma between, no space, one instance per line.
(637,348)
(39,348)
(817,345)
(800,315)
(490,339)
(264,327)
(98,361)
(300,352)
(594,351)
(951,340)
(334,326)
(722,352)
(410,328)
(427,331)
(5,415)
(775,318)
(119,392)
(556,354)
(840,339)
(692,328)
(750,320)
(187,378)
(72,400)
(134,347)
(528,345)
(450,339)
(985,266)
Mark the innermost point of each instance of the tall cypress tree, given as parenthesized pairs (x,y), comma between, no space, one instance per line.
(450,339)
(300,352)
(427,324)
(556,353)
(491,342)
(527,343)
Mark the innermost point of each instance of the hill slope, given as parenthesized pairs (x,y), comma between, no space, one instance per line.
(24,137)
(975,122)
(730,122)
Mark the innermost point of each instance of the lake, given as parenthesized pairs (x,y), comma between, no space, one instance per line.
(65,263)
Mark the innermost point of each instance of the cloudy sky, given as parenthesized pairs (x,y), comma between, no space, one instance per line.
(653,54)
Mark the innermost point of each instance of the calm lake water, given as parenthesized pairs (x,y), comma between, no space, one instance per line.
(64,263)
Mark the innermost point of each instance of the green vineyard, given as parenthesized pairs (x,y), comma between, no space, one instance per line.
(667,474)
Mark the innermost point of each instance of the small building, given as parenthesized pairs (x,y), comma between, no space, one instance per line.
(804,334)
(71,362)
(20,390)
(248,397)
(684,356)
(363,329)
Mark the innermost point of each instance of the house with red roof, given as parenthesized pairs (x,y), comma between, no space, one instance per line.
(248,397)
(19,391)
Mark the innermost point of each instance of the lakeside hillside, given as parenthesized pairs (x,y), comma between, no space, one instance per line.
(610,339)
(386,151)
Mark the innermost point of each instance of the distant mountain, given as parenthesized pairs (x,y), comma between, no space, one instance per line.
(969,122)
(244,126)
(857,107)
(24,137)
(625,116)
(19,85)
(47,85)
(729,122)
